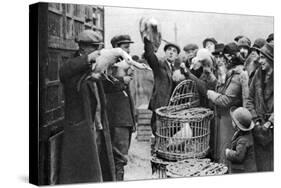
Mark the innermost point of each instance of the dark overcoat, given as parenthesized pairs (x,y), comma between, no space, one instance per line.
(80,156)
(242,154)
(261,105)
(162,73)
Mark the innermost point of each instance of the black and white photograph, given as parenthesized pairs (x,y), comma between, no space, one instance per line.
(128,93)
(134,94)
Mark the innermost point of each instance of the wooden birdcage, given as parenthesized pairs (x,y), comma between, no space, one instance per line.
(182,129)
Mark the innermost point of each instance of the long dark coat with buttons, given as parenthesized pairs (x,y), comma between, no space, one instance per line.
(80,160)
(261,105)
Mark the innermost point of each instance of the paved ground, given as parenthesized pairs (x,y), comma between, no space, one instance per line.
(138,167)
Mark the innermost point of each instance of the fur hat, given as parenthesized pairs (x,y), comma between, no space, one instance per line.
(230,48)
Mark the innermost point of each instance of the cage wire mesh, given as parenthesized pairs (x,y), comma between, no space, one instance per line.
(182,128)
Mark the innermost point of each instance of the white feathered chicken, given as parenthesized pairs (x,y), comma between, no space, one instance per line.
(150,28)
(180,137)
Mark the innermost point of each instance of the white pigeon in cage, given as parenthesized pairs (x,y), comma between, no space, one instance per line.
(181,136)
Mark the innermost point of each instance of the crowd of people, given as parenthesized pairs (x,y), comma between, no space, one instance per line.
(234,79)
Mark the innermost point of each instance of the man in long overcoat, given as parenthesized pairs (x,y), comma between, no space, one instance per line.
(86,152)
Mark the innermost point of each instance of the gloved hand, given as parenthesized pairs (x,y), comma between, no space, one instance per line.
(227,151)
(178,76)
(212,95)
(184,70)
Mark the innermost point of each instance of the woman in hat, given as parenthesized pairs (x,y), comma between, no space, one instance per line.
(241,155)
(252,62)
(232,92)
(260,103)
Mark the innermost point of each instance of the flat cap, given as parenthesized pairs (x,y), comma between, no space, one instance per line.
(89,36)
(190,46)
(120,39)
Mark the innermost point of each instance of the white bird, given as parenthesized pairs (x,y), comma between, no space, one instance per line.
(181,136)
(150,28)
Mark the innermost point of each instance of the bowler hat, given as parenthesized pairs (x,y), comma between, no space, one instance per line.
(230,48)
(242,118)
(120,39)
(268,51)
(218,49)
(89,36)
(213,40)
(190,46)
(270,37)
(173,45)
(244,42)
(259,42)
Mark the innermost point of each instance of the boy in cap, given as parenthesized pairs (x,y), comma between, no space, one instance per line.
(190,52)
(241,155)
(120,108)
(122,41)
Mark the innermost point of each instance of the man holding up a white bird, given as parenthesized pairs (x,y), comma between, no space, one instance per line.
(162,68)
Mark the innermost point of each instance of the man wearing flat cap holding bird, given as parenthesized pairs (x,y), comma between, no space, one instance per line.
(83,153)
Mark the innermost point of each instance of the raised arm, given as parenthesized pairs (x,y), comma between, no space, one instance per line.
(74,67)
(150,56)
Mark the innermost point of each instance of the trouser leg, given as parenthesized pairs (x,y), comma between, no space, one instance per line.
(121,141)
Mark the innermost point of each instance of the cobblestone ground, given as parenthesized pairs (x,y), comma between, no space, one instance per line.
(138,167)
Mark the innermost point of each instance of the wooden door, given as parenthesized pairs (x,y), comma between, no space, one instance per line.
(63,23)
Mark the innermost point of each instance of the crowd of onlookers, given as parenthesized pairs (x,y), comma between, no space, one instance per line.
(236,81)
